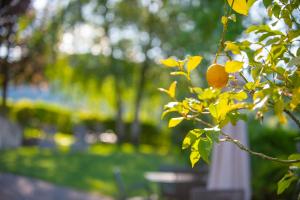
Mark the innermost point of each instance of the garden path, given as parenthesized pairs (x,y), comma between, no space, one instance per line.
(13,187)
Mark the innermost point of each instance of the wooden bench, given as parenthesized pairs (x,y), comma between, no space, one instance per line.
(177,182)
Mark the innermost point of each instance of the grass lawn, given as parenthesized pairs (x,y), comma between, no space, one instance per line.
(90,171)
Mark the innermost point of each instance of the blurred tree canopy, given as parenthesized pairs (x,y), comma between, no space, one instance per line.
(10,11)
(105,52)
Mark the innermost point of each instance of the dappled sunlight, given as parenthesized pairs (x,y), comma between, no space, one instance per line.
(84,170)
(102,185)
(64,139)
(150,99)
(104,150)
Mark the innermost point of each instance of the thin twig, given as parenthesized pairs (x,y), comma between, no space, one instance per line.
(222,40)
(221,43)
(261,155)
(228,138)
(293,117)
(242,75)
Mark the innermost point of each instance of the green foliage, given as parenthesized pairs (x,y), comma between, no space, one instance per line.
(285,182)
(36,115)
(265,138)
(33,116)
(264,80)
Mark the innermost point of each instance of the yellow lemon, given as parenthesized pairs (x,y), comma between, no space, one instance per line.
(216,76)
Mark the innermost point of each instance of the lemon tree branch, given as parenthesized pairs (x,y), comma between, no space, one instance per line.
(228,138)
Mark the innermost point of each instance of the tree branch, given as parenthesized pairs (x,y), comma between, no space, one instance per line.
(261,155)
(228,138)
(293,117)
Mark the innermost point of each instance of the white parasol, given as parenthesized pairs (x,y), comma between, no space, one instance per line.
(230,166)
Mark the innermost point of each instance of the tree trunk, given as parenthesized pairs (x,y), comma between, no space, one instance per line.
(136,127)
(119,122)
(5,73)
(120,126)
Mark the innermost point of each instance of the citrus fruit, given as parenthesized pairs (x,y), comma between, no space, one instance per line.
(216,76)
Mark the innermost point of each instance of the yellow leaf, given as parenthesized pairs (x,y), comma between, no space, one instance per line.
(239,6)
(224,20)
(295,98)
(172,89)
(240,96)
(175,121)
(163,90)
(222,108)
(233,66)
(213,111)
(193,62)
(278,108)
(194,157)
(181,64)
(230,46)
(180,74)
(170,62)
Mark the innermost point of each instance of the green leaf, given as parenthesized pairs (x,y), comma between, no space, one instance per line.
(295,156)
(265,36)
(255,72)
(256,28)
(285,14)
(166,112)
(292,34)
(263,29)
(191,137)
(175,121)
(232,17)
(204,148)
(285,182)
(212,133)
(193,62)
(267,3)
(276,10)
(272,41)
(294,61)
(170,62)
(233,66)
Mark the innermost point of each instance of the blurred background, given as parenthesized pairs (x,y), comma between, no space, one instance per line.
(80,106)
